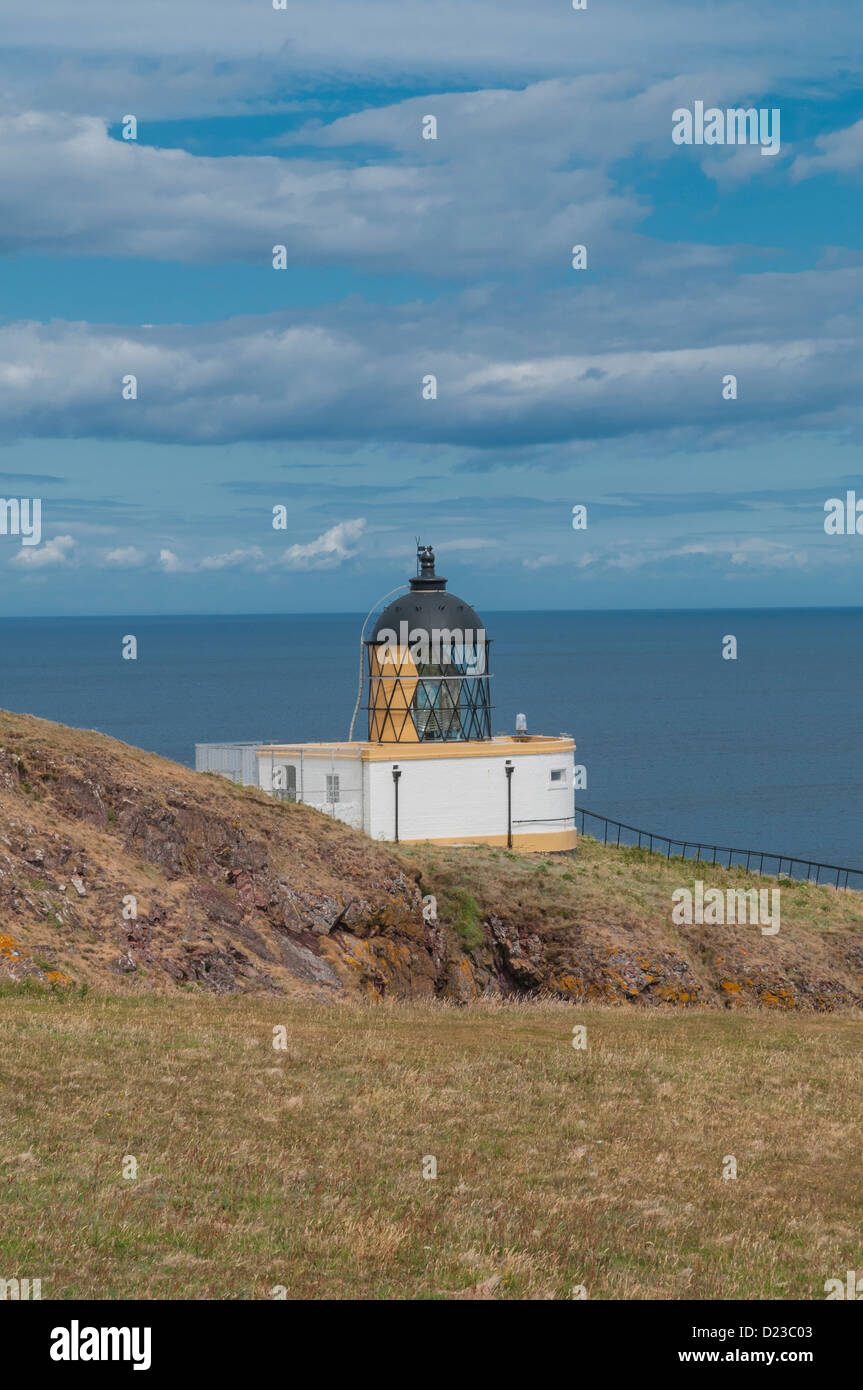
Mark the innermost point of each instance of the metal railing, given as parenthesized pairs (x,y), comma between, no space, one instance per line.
(797,867)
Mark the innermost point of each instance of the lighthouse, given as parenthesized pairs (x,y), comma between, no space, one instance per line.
(428,666)
(430,768)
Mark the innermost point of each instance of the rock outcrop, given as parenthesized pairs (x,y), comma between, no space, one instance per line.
(119,869)
(116,862)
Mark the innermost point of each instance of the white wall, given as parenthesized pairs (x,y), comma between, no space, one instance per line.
(311,783)
(440,798)
(451,798)
(234,760)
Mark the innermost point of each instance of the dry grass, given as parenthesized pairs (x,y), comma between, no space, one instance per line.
(613,883)
(619,899)
(303,1167)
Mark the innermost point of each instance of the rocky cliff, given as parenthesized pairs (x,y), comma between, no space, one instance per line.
(119,869)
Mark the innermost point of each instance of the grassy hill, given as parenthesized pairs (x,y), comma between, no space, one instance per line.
(238,1090)
(120,870)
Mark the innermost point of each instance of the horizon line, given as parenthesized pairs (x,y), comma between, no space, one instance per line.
(506,612)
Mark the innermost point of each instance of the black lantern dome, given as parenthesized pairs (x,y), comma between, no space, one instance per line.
(428,665)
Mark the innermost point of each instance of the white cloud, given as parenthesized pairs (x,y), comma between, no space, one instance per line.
(234,559)
(514,179)
(169,563)
(738,164)
(511,381)
(326,552)
(629,554)
(753,550)
(540,562)
(218,55)
(329,550)
(55,552)
(126,557)
(756,550)
(840,151)
(62,184)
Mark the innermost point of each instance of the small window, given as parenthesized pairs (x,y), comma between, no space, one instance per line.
(332,786)
(558,777)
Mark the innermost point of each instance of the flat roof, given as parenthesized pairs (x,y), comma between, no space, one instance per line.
(501,745)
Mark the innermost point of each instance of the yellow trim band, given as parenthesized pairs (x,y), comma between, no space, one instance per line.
(553,840)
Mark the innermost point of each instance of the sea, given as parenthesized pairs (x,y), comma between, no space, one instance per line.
(762,751)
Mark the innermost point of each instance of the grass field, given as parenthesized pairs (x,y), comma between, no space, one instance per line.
(303,1167)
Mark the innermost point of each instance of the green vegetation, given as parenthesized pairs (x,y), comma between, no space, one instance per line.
(468,922)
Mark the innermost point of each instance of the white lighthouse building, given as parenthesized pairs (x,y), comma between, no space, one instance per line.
(430,768)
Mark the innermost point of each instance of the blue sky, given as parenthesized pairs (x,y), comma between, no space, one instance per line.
(302,388)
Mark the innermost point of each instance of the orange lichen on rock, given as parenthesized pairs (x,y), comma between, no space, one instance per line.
(16,963)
